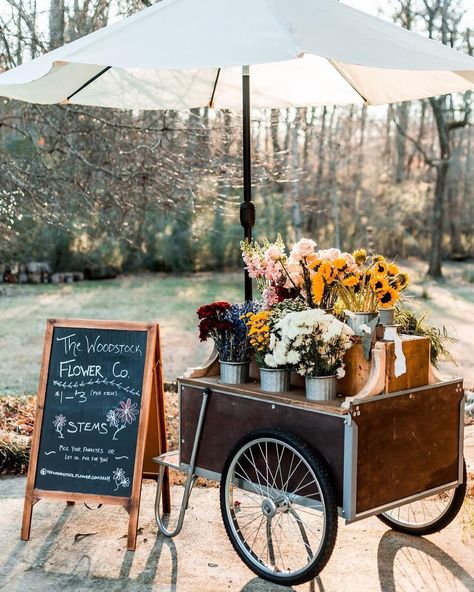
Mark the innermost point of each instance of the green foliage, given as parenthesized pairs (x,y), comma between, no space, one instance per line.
(469,276)
(413,324)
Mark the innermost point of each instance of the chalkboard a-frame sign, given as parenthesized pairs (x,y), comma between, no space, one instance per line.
(99,416)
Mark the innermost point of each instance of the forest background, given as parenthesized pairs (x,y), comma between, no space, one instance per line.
(160,190)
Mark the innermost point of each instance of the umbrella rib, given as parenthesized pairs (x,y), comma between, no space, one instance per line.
(347,79)
(90,81)
(211,102)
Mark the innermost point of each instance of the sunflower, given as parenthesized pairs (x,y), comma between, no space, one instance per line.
(378,283)
(387,299)
(351,280)
(360,256)
(403,279)
(380,268)
(317,288)
(393,269)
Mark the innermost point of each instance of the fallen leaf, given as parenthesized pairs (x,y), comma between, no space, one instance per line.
(83,535)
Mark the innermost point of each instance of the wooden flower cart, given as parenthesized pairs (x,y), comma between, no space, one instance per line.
(287,466)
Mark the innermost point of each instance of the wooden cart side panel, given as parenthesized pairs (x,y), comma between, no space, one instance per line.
(407,444)
(230,417)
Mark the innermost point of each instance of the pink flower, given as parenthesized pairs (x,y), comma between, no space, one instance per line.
(303,248)
(273,253)
(329,254)
(269,297)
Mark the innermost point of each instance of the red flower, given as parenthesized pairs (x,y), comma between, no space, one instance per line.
(211,316)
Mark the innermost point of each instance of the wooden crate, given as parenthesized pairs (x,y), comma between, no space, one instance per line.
(359,369)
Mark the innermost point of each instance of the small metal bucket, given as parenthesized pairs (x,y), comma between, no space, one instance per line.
(360,318)
(321,388)
(234,372)
(274,380)
(387,316)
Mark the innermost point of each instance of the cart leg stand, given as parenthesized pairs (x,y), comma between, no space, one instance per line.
(165,462)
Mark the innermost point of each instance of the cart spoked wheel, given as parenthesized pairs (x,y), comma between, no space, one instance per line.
(428,515)
(279,507)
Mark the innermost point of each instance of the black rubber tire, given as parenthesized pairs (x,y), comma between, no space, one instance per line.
(329,497)
(442,522)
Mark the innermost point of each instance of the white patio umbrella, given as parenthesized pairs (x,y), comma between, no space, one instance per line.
(180,54)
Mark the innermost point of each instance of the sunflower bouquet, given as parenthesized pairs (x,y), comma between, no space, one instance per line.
(373,284)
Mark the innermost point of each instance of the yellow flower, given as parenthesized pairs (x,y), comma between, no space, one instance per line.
(403,279)
(380,268)
(378,283)
(393,269)
(339,263)
(351,280)
(360,256)
(317,288)
(325,270)
(314,264)
(376,258)
(387,299)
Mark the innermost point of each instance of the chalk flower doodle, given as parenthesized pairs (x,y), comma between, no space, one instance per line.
(125,414)
(59,422)
(120,479)
(127,411)
(112,418)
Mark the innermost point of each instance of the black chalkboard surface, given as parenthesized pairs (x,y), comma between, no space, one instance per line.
(92,411)
(100,404)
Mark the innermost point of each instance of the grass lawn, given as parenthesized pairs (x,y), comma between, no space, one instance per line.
(173,300)
(170,300)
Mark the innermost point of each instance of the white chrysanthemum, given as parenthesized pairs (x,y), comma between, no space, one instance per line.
(298,342)
(270,361)
(293,357)
(272,341)
(279,354)
(340,372)
(366,329)
(349,314)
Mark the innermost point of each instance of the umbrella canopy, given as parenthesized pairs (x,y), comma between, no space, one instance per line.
(180,54)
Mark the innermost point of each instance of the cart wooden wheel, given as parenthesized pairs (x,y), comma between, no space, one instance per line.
(428,515)
(279,507)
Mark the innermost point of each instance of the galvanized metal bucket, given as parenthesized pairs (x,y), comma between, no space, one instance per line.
(274,380)
(321,388)
(358,320)
(387,316)
(234,372)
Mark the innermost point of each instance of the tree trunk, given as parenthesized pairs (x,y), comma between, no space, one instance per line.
(403,118)
(442,167)
(56,24)
(436,254)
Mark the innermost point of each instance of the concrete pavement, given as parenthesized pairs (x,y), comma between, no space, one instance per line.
(73,549)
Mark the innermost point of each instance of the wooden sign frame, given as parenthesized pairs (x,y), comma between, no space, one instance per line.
(151,434)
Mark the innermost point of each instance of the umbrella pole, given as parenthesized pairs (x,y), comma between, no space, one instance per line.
(247,207)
